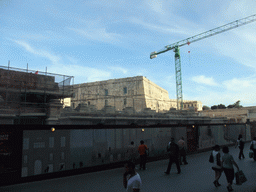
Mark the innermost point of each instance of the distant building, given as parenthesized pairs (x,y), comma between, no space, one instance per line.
(136,92)
(234,115)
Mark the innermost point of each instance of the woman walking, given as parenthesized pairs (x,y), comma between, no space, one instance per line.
(217,164)
(227,164)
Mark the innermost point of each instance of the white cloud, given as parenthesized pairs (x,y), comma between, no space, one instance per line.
(119,69)
(160,28)
(52,57)
(98,34)
(204,80)
(239,84)
(82,74)
(156,6)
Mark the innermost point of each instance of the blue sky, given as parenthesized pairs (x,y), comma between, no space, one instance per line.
(99,40)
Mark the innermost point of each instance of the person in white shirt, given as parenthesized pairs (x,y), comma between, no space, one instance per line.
(217,164)
(253,147)
(131,179)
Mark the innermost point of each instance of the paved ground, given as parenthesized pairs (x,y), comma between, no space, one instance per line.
(197,176)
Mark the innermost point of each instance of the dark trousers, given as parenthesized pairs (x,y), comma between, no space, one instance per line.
(254,154)
(230,174)
(183,156)
(171,161)
(241,153)
(143,161)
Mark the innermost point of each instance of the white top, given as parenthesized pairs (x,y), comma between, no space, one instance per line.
(134,183)
(254,144)
(214,153)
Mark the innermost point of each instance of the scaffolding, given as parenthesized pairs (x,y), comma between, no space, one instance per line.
(24,91)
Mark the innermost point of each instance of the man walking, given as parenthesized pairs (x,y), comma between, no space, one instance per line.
(240,144)
(131,179)
(181,144)
(143,156)
(131,152)
(173,148)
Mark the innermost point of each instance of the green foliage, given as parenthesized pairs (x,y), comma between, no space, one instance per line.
(237,104)
(214,107)
(206,107)
(221,106)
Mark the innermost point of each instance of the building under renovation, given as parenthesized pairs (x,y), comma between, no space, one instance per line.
(134,92)
(31,97)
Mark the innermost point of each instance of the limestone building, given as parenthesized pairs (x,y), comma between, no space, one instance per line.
(135,92)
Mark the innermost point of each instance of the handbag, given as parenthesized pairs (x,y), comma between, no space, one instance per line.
(211,158)
(251,154)
(240,177)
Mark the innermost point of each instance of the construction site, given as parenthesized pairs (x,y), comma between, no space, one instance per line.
(31,97)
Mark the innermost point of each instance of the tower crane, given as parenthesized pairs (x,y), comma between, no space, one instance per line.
(175,48)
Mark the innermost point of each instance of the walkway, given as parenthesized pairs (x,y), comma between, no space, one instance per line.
(197,176)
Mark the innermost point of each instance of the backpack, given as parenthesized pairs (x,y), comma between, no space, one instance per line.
(173,149)
(211,160)
(241,144)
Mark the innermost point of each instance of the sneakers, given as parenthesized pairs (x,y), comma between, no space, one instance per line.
(167,172)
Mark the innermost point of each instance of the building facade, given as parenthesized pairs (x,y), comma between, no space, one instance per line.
(136,92)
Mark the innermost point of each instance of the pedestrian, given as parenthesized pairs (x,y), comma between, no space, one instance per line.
(132,183)
(227,164)
(143,156)
(182,145)
(253,148)
(173,149)
(217,167)
(240,144)
(131,152)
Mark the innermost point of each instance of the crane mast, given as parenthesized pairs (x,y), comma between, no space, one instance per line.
(175,47)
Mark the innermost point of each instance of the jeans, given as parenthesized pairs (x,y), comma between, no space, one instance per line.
(143,160)
(171,161)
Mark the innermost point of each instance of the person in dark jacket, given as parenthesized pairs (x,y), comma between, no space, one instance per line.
(173,149)
(240,144)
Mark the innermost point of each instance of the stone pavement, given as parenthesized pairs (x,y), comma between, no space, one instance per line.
(197,176)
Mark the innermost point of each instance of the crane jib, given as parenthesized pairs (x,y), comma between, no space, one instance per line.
(192,39)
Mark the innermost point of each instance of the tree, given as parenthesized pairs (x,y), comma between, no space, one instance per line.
(221,106)
(214,107)
(230,106)
(237,104)
(206,108)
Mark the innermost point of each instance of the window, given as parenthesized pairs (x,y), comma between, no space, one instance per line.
(51,142)
(106,102)
(125,90)
(62,141)
(25,159)
(62,155)
(51,157)
(24,172)
(26,143)
(125,102)
(106,92)
(39,145)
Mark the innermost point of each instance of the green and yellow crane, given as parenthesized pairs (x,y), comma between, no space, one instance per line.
(175,48)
